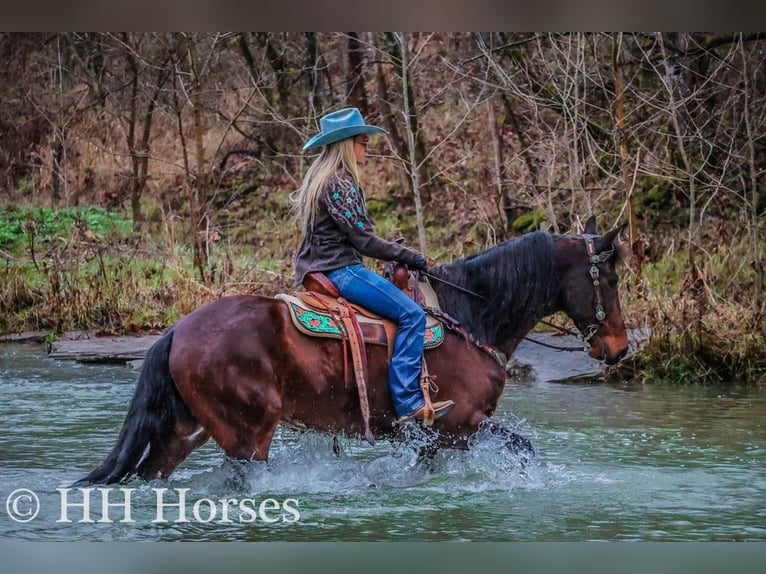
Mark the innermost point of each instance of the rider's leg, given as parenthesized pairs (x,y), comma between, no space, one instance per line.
(359,285)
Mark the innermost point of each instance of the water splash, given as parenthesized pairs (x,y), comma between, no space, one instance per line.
(306,463)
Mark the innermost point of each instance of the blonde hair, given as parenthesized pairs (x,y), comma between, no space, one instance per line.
(335,157)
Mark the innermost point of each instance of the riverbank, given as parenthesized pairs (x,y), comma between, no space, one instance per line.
(531,361)
(61,287)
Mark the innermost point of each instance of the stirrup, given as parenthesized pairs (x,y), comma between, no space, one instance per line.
(441,408)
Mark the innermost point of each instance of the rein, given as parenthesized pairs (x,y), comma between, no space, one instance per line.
(563,331)
(483,298)
(458,287)
(594,259)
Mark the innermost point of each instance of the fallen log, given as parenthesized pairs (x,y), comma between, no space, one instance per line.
(103,349)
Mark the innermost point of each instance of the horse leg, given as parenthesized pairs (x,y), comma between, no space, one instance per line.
(245,432)
(248,439)
(183,440)
(427,451)
(243,441)
(230,385)
(424,441)
(520,446)
(154,436)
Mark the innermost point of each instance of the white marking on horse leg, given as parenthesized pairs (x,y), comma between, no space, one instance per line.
(193,435)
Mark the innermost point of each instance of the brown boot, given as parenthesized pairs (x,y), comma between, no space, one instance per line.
(440,409)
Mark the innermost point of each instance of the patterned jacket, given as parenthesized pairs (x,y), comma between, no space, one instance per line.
(342,234)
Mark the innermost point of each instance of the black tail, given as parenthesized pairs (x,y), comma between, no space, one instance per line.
(150,420)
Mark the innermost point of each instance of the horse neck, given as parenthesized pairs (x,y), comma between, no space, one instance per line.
(517,284)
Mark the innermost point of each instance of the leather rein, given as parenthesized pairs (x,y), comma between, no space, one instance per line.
(594,259)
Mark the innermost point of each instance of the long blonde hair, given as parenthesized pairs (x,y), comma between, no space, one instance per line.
(335,157)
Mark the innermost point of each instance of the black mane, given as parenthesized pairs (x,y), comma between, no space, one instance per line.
(515,278)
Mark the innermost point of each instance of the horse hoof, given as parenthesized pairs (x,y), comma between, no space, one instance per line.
(521,447)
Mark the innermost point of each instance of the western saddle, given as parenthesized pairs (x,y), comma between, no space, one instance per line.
(323,296)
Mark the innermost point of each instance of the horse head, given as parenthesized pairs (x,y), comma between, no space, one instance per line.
(589,290)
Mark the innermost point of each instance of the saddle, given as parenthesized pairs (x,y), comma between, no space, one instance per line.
(320,311)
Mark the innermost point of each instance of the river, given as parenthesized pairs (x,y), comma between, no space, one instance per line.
(614,462)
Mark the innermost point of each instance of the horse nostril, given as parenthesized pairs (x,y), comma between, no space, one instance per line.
(614,359)
(621,354)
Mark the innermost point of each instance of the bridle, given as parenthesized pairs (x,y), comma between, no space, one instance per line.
(594,259)
(600,313)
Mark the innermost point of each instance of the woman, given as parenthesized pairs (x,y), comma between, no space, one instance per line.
(330,207)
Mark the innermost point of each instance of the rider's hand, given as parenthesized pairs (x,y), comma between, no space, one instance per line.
(420,263)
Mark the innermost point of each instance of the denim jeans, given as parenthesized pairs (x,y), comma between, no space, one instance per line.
(359,285)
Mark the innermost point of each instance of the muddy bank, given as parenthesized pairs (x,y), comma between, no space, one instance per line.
(546,364)
(529,361)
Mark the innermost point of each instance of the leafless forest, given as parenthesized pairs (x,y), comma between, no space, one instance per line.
(197,136)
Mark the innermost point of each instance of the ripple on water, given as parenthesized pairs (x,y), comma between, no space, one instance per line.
(613,463)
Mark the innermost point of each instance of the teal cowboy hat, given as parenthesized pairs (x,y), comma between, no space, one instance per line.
(340,125)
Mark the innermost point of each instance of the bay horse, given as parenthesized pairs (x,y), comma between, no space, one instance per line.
(236,368)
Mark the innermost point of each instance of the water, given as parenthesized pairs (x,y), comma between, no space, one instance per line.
(620,462)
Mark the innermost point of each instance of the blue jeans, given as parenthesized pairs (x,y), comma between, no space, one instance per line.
(359,285)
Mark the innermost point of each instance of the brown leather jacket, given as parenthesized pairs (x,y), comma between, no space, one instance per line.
(342,234)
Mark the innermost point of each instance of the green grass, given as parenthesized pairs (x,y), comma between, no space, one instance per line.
(82,268)
(18,224)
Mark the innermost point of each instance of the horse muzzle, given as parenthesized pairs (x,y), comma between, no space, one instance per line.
(608,349)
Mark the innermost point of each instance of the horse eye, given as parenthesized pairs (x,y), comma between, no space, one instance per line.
(612,282)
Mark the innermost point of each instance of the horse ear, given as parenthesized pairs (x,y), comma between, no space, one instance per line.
(614,239)
(622,245)
(590,226)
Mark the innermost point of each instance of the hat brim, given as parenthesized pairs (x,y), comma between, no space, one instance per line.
(340,134)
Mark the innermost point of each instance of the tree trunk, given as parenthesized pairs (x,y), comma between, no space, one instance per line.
(200,180)
(523,142)
(411,123)
(678,131)
(755,219)
(622,144)
(312,73)
(502,200)
(357,93)
(279,65)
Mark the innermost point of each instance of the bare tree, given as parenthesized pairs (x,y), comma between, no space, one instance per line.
(752,179)
(142,103)
(655,127)
(410,123)
(355,85)
(193,60)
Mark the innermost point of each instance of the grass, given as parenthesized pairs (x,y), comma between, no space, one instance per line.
(22,224)
(706,327)
(119,290)
(714,358)
(80,268)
